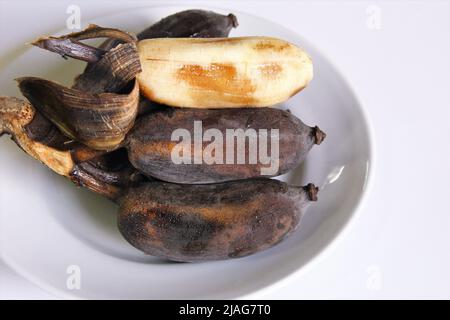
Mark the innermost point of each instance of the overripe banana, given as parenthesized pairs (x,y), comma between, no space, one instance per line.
(233,151)
(211,222)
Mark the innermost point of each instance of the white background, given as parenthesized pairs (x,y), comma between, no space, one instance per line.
(399,247)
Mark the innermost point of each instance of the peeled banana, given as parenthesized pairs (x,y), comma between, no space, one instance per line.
(206,72)
(222,72)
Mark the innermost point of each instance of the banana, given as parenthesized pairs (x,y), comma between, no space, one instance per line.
(211,222)
(191,23)
(151,147)
(200,72)
(222,72)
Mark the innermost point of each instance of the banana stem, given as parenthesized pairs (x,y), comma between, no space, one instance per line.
(71,48)
(70,45)
(19,119)
(311,191)
(15,115)
(318,135)
(85,175)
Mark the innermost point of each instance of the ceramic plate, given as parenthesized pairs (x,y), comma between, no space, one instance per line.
(48,225)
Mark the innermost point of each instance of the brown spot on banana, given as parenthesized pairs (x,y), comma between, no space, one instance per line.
(267,45)
(270,70)
(211,222)
(216,80)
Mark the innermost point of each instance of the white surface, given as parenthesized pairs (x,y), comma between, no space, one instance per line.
(400,246)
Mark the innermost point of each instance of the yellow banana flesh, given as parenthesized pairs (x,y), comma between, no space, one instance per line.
(222,72)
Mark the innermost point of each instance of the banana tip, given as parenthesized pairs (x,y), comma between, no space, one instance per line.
(312,191)
(319,135)
(234,20)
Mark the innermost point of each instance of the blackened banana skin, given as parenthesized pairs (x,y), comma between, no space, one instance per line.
(211,222)
(185,24)
(150,146)
(191,23)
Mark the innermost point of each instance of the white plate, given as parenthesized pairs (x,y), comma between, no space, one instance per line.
(48,225)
